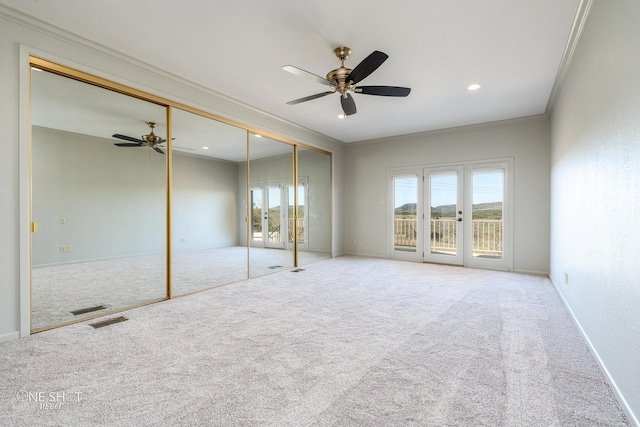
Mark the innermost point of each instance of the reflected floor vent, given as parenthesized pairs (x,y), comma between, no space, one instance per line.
(88,310)
(297,270)
(108,322)
(273,267)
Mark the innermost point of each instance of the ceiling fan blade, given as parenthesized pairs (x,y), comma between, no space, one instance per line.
(127,144)
(367,66)
(383,90)
(127,138)
(158,150)
(348,104)
(309,98)
(302,73)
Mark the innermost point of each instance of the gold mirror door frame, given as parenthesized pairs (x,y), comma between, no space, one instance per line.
(99,174)
(102,183)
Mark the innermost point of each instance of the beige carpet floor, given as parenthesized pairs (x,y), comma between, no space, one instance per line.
(346,342)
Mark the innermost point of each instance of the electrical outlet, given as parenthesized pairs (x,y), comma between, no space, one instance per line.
(353,242)
(63,220)
(65,249)
(183,240)
(566,278)
(366,243)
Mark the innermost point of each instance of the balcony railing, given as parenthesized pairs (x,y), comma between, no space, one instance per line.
(487,235)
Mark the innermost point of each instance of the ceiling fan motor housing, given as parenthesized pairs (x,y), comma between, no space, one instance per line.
(339,77)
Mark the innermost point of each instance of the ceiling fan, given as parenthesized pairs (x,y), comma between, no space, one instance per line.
(344,80)
(151,140)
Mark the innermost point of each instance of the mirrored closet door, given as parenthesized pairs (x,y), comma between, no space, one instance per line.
(314,205)
(209,203)
(271,176)
(98,201)
(136,199)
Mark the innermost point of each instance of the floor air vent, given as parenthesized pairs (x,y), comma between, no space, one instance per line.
(88,310)
(108,322)
(297,270)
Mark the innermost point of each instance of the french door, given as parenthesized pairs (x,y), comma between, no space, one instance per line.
(272,217)
(444,217)
(275,217)
(462,215)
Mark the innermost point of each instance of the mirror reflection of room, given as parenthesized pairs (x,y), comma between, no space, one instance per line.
(100,169)
(100,208)
(208,203)
(271,175)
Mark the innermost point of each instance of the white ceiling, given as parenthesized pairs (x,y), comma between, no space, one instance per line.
(513,48)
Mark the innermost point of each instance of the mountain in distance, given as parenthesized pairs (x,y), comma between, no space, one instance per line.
(492,210)
(406,209)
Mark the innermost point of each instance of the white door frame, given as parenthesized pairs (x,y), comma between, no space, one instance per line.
(422,246)
(506,261)
(392,252)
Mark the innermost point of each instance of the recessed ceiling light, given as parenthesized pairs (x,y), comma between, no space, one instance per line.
(474,86)
(204,147)
(342,116)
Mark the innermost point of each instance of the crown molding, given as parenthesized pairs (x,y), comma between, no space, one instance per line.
(579,22)
(67,37)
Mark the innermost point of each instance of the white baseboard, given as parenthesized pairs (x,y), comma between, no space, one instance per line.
(10,336)
(360,254)
(533,273)
(614,387)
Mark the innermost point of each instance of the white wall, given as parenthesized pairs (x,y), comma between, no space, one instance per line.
(20,36)
(526,140)
(595,190)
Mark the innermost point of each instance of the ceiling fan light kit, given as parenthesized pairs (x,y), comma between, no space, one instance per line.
(344,80)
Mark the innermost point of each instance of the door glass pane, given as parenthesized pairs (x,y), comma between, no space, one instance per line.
(256,214)
(487,213)
(274,199)
(301,209)
(443,194)
(405,224)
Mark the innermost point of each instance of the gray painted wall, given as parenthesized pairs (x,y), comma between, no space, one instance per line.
(526,140)
(595,191)
(112,200)
(205,203)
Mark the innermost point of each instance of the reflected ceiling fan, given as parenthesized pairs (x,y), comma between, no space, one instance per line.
(344,80)
(151,140)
